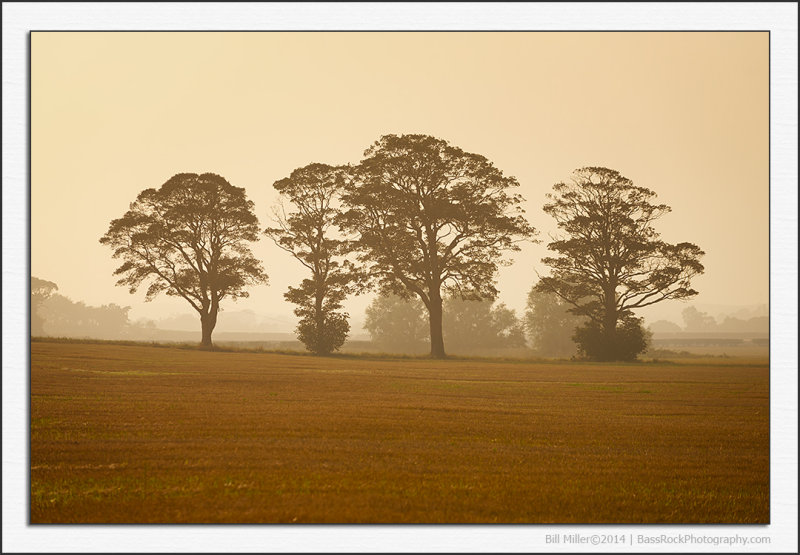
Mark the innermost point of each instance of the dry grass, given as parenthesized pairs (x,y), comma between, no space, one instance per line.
(125,433)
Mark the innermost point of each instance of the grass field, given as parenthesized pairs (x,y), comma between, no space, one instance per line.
(135,434)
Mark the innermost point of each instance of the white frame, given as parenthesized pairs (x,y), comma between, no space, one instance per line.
(19,18)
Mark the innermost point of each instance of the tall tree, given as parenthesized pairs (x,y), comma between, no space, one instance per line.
(308,233)
(612,260)
(41,290)
(430,217)
(189,239)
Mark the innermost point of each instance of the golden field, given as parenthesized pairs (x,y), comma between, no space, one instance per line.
(148,434)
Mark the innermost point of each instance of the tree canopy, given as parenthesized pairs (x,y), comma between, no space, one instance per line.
(612,261)
(189,239)
(429,217)
(308,233)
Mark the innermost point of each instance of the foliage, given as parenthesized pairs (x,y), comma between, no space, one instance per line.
(324,333)
(189,239)
(479,326)
(397,325)
(307,233)
(550,324)
(628,340)
(41,290)
(611,258)
(430,217)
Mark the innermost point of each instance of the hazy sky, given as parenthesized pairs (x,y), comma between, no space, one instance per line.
(684,114)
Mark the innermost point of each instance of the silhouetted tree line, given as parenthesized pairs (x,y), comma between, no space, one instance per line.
(420,220)
(697,321)
(55,315)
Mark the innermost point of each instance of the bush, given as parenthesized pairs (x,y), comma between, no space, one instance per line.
(324,337)
(628,340)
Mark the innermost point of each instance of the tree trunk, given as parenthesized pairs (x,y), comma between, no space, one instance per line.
(610,322)
(207,323)
(435,317)
(610,326)
(319,320)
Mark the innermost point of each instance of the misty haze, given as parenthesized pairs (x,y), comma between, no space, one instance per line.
(399,277)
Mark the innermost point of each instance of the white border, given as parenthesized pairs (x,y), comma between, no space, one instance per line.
(19,18)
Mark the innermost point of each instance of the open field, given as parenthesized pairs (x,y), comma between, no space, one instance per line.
(124,433)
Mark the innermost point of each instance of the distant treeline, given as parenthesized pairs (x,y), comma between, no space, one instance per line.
(708,341)
(696,321)
(56,315)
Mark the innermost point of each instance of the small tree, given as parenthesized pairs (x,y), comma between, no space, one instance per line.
(307,234)
(551,324)
(430,217)
(397,325)
(695,320)
(611,258)
(189,239)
